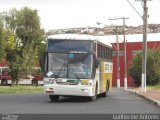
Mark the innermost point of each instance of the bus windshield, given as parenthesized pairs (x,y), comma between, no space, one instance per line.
(70,65)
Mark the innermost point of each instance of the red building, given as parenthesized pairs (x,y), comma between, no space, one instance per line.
(133,46)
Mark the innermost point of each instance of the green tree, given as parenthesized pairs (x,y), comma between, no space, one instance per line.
(31,35)
(25,36)
(2,51)
(152,67)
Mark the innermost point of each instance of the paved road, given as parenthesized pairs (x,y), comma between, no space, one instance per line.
(118,101)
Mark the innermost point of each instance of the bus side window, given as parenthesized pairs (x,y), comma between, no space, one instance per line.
(94,66)
(42,60)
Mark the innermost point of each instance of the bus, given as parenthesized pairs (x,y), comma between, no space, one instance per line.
(77,65)
(35,79)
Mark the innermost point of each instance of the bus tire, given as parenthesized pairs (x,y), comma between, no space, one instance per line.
(4,82)
(54,98)
(34,82)
(106,92)
(93,98)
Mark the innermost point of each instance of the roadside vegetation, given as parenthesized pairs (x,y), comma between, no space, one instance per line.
(154,87)
(153,68)
(21,39)
(21,89)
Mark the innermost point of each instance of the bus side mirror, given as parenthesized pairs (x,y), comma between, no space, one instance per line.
(42,61)
(97,63)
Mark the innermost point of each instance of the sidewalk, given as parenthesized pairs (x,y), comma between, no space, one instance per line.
(152,95)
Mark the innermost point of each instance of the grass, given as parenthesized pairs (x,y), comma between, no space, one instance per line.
(155,87)
(21,89)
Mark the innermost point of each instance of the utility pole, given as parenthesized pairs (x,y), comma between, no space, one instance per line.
(144,57)
(125,64)
(125,61)
(118,68)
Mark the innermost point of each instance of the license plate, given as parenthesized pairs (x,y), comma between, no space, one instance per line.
(59,80)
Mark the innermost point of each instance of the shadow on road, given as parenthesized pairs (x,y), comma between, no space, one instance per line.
(75,99)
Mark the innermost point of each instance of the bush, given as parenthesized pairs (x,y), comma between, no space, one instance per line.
(135,69)
(152,67)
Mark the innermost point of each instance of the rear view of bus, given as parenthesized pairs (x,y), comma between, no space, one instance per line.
(72,69)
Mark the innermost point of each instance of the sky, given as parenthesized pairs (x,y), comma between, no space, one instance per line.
(59,14)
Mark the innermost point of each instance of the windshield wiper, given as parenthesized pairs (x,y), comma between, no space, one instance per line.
(55,76)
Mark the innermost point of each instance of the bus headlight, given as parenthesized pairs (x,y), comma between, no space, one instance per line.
(87,82)
(84,82)
(84,90)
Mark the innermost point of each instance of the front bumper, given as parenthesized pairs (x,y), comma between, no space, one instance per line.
(69,90)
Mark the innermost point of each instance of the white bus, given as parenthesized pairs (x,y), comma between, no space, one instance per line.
(77,65)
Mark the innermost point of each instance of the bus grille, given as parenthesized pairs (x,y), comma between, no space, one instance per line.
(66,83)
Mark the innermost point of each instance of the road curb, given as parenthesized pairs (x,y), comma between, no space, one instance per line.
(145,97)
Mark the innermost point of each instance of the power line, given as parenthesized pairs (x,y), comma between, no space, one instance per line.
(134,9)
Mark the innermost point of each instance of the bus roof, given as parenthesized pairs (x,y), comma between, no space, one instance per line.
(80,37)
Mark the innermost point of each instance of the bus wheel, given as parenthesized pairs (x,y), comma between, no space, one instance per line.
(95,96)
(54,98)
(34,82)
(4,82)
(107,88)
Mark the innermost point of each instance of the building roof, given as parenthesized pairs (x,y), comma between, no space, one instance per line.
(130,38)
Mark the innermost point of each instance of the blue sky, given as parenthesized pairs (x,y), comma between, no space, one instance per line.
(57,14)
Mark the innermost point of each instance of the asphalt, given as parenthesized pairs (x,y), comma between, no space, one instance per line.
(117,102)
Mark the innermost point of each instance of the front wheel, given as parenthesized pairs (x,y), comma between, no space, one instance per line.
(4,82)
(54,98)
(34,82)
(106,92)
